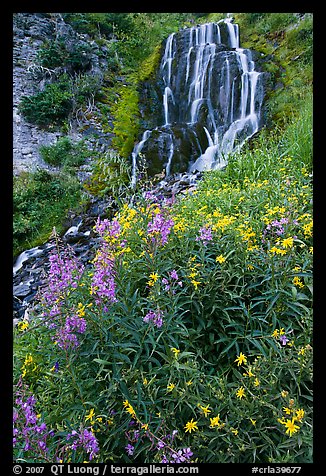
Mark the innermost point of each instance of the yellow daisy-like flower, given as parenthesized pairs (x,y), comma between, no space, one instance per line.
(189,382)
(153,278)
(256,382)
(275,333)
(90,415)
(291,427)
(241,359)
(131,411)
(253,421)
(240,393)
(191,426)
(170,387)
(299,414)
(205,410)
(195,283)
(287,410)
(220,259)
(22,325)
(287,242)
(215,421)
(297,282)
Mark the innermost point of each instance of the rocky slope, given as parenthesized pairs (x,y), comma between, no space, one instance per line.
(30,32)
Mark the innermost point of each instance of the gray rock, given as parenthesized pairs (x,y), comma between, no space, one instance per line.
(21,290)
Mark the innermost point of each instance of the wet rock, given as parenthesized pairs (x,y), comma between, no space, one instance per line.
(21,290)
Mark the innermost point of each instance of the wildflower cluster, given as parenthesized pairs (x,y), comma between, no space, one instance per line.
(30,433)
(84,440)
(64,276)
(195,314)
(33,438)
(161,446)
(292,424)
(159,228)
(155,317)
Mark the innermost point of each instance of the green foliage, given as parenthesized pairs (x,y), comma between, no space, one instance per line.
(48,107)
(40,201)
(126,120)
(231,362)
(110,176)
(64,152)
(95,24)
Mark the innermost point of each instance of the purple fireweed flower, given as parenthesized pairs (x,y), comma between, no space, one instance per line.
(85,440)
(174,274)
(155,317)
(165,460)
(130,449)
(103,280)
(159,228)
(284,340)
(205,235)
(178,457)
(160,445)
(107,228)
(187,453)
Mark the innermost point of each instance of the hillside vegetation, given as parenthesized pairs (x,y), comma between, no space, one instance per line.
(189,339)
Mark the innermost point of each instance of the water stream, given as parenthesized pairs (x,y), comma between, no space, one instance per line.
(211,101)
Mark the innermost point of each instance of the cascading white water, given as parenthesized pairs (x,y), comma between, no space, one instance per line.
(135,154)
(25,256)
(209,82)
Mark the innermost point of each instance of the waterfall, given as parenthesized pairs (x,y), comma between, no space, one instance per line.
(211,101)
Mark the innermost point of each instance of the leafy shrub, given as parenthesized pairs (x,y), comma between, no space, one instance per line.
(110,176)
(48,107)
(40,201)
(75,58)
(99,23)
(64,152)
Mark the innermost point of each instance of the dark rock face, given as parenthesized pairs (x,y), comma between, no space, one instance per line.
(212,98)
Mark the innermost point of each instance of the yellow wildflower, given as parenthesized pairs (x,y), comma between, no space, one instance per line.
(191,426)
(220,259)
(153,278)
(175,351)
(90,415)
(287,242)
(241,359)
(170,387)
(240,393)
(299,414)
(195,283)
(291,427)
(215,421)
(297,282)
(205,410)
(22,325)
